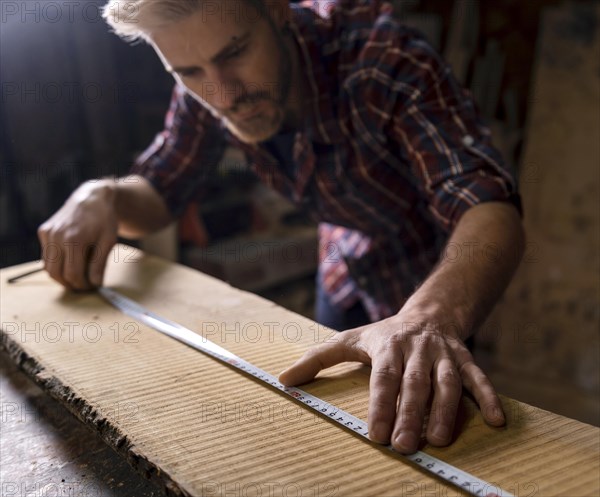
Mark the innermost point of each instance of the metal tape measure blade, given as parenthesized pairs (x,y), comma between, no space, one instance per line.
(434,466)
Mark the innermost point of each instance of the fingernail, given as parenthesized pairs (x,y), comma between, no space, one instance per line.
(407,441)
(283,380)
(495,415)
(441,433)
(377,434)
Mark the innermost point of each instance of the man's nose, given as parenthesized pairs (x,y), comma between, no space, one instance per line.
(222,90)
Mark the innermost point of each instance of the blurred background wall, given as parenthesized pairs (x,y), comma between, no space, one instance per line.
(77,103)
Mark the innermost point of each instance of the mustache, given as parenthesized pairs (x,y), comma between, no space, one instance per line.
(251,99)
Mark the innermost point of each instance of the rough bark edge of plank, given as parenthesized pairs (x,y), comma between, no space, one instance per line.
(89,416)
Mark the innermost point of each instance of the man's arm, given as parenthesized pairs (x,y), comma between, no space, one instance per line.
(140,209)
(475,267)
(421,349)
(77,239)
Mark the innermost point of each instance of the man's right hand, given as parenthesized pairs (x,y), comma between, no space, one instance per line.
(77,239)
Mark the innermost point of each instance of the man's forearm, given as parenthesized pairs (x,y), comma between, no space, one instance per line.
(476,266)
(140,209)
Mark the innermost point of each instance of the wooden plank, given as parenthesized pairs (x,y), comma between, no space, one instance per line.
(47,452)
(197,427)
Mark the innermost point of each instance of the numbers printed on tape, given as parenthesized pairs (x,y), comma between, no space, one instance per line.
(432,465)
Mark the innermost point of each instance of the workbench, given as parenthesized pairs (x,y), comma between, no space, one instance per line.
(194,426)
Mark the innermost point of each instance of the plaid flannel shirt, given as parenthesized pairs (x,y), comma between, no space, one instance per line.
(392,156)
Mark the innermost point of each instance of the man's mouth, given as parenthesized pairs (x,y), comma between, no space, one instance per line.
(249,112)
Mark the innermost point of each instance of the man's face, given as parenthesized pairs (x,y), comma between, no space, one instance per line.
(235,62)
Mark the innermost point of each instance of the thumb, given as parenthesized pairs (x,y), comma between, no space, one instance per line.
(97,262)
(314,360)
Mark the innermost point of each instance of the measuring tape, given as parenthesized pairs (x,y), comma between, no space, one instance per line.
(432,465)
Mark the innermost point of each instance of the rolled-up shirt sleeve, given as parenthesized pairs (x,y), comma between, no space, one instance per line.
(445,141)
(183,155)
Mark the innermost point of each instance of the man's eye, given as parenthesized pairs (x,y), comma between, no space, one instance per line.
(236,52)
(189,73)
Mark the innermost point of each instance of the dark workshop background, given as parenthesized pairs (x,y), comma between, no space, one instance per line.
(78,103)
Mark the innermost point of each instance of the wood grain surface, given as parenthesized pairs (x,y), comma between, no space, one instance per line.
(197,427)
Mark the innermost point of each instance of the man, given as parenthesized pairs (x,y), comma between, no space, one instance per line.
(357,118)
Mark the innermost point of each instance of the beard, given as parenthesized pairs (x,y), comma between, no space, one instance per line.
(268,108)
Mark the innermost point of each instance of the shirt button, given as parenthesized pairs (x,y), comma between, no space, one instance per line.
(362,280)
(468,140)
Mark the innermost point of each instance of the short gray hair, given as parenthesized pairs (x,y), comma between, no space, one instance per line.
(132,20)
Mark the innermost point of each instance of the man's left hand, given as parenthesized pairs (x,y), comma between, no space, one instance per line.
(411,357)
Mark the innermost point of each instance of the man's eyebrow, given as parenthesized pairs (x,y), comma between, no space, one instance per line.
(231,46)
